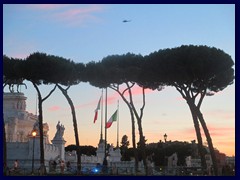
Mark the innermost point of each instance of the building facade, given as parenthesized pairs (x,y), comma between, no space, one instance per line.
(22,146)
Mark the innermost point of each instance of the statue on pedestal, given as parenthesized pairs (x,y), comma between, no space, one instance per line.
(60,131)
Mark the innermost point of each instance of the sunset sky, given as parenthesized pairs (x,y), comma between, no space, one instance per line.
(86,33)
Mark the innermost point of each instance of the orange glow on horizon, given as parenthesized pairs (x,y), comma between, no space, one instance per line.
(227,148)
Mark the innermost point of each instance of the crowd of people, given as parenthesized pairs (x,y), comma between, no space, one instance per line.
(8,170)
(53,166)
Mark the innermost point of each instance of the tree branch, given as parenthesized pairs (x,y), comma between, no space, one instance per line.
(131,100)
(39,94)
(128,87)
(130,93)
(67,88)
(113,87)
(49,93)
(194,96)
(201,98)
(125,91)
(141,110)
(121,94)
(181,92)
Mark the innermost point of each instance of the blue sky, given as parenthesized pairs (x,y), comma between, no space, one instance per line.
(86,33)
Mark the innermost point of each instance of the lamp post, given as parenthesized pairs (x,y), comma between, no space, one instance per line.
(165,137)
(34,133)
(165,162)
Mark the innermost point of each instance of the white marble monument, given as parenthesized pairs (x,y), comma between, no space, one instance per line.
(18,126)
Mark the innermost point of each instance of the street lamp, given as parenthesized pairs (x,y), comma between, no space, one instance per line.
(165,137)
(165,160)
(34,133)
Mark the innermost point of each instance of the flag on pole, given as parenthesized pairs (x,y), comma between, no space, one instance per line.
(112,119)
(96,111)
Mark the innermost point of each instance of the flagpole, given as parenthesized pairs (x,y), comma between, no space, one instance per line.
(118,126)
(101,135)
(105,151)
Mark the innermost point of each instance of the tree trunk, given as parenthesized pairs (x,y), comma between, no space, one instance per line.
(142,145)
(75,128)
(142,139)
(133,138)
(190,101)
(139,122)
(199,138)
(40,120)
(133,128)
(209,140)
(134,141)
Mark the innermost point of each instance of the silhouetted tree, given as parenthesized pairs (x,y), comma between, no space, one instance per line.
(195,71)
(64,72)
(88,150)
(125,142)
(12,73)
(11,76)
(139,146)
(69,74)
(124,148)
(113,71)
(38,68)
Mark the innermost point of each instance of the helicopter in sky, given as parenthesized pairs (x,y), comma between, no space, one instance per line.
(125,21)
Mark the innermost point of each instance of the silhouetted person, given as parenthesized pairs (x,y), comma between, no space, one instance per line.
(5,170)
(68,166)
(54,165)
(62,166)
(16,165)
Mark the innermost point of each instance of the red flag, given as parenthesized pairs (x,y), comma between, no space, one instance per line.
(96,111)
(112,119)
(95,117)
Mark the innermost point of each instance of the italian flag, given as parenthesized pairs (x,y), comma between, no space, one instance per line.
(96,111)
(112,119)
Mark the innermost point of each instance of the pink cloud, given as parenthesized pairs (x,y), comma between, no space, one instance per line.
(47,6)
(226,143)
(54,108)
(70,14)
(220,131)
(214,131)
(136,90)
(80,15)
(180,98)
(86,10)
(189,134)
(222,114)
(112,98)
